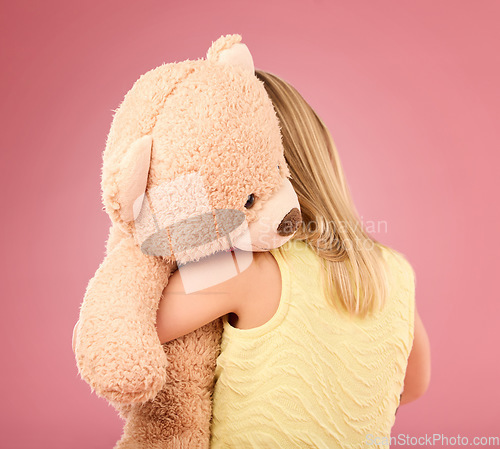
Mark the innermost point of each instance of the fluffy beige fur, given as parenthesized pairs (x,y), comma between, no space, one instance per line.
(191,139)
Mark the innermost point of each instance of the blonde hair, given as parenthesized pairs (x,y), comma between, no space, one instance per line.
(354,272)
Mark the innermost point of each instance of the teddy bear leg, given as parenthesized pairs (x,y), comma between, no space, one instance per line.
(179,416)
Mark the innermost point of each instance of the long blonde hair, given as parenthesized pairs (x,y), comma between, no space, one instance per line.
(354,272)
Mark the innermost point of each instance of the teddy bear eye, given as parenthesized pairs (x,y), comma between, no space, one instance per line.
(250,201)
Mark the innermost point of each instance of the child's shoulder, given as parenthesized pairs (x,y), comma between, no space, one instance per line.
(398,262)
(295,248)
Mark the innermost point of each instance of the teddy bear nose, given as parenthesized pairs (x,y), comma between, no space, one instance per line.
(290,223)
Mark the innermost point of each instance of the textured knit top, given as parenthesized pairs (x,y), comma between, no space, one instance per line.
(312,376)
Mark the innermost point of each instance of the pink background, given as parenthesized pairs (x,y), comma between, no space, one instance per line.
(410,92)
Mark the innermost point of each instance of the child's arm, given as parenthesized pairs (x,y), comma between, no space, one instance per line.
(418,371)
(180,313)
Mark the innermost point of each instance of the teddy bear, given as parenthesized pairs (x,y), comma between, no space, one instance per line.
(193,166)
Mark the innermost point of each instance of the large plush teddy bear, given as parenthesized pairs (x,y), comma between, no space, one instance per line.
(193,166)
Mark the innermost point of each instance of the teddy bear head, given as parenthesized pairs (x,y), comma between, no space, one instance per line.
(194,160)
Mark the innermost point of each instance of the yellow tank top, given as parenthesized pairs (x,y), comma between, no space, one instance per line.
(311,376)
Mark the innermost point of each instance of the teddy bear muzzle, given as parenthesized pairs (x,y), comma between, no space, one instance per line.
(290,223)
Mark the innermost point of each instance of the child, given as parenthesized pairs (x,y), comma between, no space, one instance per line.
(320,335)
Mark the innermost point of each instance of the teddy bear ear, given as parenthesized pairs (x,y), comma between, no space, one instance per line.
(230,51)
(132,178)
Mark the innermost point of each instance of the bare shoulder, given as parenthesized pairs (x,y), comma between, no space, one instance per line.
(261,298)
(265,268)
(218,274)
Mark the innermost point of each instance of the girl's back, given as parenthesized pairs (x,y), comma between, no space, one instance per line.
(313,375)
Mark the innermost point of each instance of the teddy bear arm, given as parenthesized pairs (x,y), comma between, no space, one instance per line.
(117,348)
